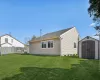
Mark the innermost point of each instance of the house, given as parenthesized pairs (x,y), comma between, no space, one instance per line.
(89,48)
(62,42)
(9,44)
(9,41)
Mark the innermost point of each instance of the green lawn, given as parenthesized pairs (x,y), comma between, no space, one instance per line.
(29,67)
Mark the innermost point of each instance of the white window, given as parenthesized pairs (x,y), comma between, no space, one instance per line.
(50,44)
(11,40)
(43,44)
(6,40)
(74,45)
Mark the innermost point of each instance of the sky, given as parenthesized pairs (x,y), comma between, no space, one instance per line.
(25,18)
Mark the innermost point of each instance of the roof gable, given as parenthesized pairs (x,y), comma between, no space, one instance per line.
(12,37)
(55,34)
(88,37)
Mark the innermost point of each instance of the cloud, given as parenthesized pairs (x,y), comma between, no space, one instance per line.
(92,25)
(96,37)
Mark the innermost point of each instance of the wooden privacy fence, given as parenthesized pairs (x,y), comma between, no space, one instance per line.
(7,50)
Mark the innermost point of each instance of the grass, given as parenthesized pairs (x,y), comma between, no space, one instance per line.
(29,67)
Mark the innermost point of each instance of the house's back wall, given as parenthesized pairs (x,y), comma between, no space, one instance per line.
(35,48)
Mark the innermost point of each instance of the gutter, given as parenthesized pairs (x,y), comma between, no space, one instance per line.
(44,39)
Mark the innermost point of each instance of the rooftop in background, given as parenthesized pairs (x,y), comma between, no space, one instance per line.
(12,37)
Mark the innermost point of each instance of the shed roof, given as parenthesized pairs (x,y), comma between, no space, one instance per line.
(89,37)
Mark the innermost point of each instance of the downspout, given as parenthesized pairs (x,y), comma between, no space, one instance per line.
(78,46)
(60,46)
(78,49)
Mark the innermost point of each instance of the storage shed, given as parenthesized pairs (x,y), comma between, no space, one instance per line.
(88,48)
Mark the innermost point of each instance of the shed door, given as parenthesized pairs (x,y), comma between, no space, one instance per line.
(88,49)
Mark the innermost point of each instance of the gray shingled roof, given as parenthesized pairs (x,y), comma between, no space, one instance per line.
(53,34)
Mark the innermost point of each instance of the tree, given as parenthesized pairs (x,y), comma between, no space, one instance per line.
(34,37)
(94,10)
(26,39)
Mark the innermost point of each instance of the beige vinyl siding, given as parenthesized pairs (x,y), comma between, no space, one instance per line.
(35,48)
(67,42)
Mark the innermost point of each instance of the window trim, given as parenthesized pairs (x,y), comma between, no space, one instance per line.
(11,40)
(53,44)
(6,39)
(41,45)
(75,46)
(47,44)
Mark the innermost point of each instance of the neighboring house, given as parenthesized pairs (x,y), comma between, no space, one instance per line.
(9,41)
(9,44)
(89,48)
(62,42)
